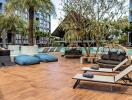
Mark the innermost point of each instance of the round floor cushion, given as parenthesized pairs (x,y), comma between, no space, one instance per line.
(26,60)
(44,57)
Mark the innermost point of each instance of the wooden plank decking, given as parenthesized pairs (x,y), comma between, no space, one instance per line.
(53,81)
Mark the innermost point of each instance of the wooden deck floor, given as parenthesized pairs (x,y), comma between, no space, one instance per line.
(53,81)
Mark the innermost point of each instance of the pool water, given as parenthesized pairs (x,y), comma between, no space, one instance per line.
(130,51)
(94,49)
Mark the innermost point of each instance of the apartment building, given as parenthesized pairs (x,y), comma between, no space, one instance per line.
(44,25)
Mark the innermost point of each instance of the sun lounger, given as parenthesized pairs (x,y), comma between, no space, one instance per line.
(85,69)
(104,79)
(46,49)
(51,49)
(6,61)
(57,49)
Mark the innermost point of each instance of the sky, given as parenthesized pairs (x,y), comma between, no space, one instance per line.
(59,13)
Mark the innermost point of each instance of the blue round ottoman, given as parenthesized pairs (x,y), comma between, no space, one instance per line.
(44,57)
(26,60)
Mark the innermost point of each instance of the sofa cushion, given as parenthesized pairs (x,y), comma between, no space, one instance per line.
(114,56)
(112,52)
(26,60)
(123,53)
(109,52)
(44,57)
(109,62)
(121,58)
(105,57)
(73,52)
(4,52)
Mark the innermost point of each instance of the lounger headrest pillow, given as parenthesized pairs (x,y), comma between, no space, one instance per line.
(88,75)
(95,67)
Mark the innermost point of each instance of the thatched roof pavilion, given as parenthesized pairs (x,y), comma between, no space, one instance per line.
(59,31)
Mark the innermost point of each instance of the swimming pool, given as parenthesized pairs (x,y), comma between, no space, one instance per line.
(94,49)
(130,51)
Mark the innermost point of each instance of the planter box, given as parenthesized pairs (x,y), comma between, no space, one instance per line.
(85,59)
(29,50)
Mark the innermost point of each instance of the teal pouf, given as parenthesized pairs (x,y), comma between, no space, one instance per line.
(26,60)
(44,57)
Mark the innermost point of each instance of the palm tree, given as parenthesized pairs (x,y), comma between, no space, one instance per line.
(11,23)
(31,6)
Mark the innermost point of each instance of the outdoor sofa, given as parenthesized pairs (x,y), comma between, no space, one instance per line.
(73,53)
(5,59)
(112,59)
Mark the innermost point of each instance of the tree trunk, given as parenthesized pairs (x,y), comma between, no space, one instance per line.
(49,41)
(22,40)
(87,51)
(31,26)
(85,47)
(97,38)
(97,45)
(13,38)
(4,39)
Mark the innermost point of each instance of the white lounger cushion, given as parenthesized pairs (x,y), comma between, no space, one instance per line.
(96,78)
(99,70)
(105,69)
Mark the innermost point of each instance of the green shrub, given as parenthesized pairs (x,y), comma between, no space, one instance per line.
(123,39)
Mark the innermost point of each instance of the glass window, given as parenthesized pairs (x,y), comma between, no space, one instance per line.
(0,6)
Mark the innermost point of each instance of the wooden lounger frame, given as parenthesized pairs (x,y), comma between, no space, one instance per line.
(124,79)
